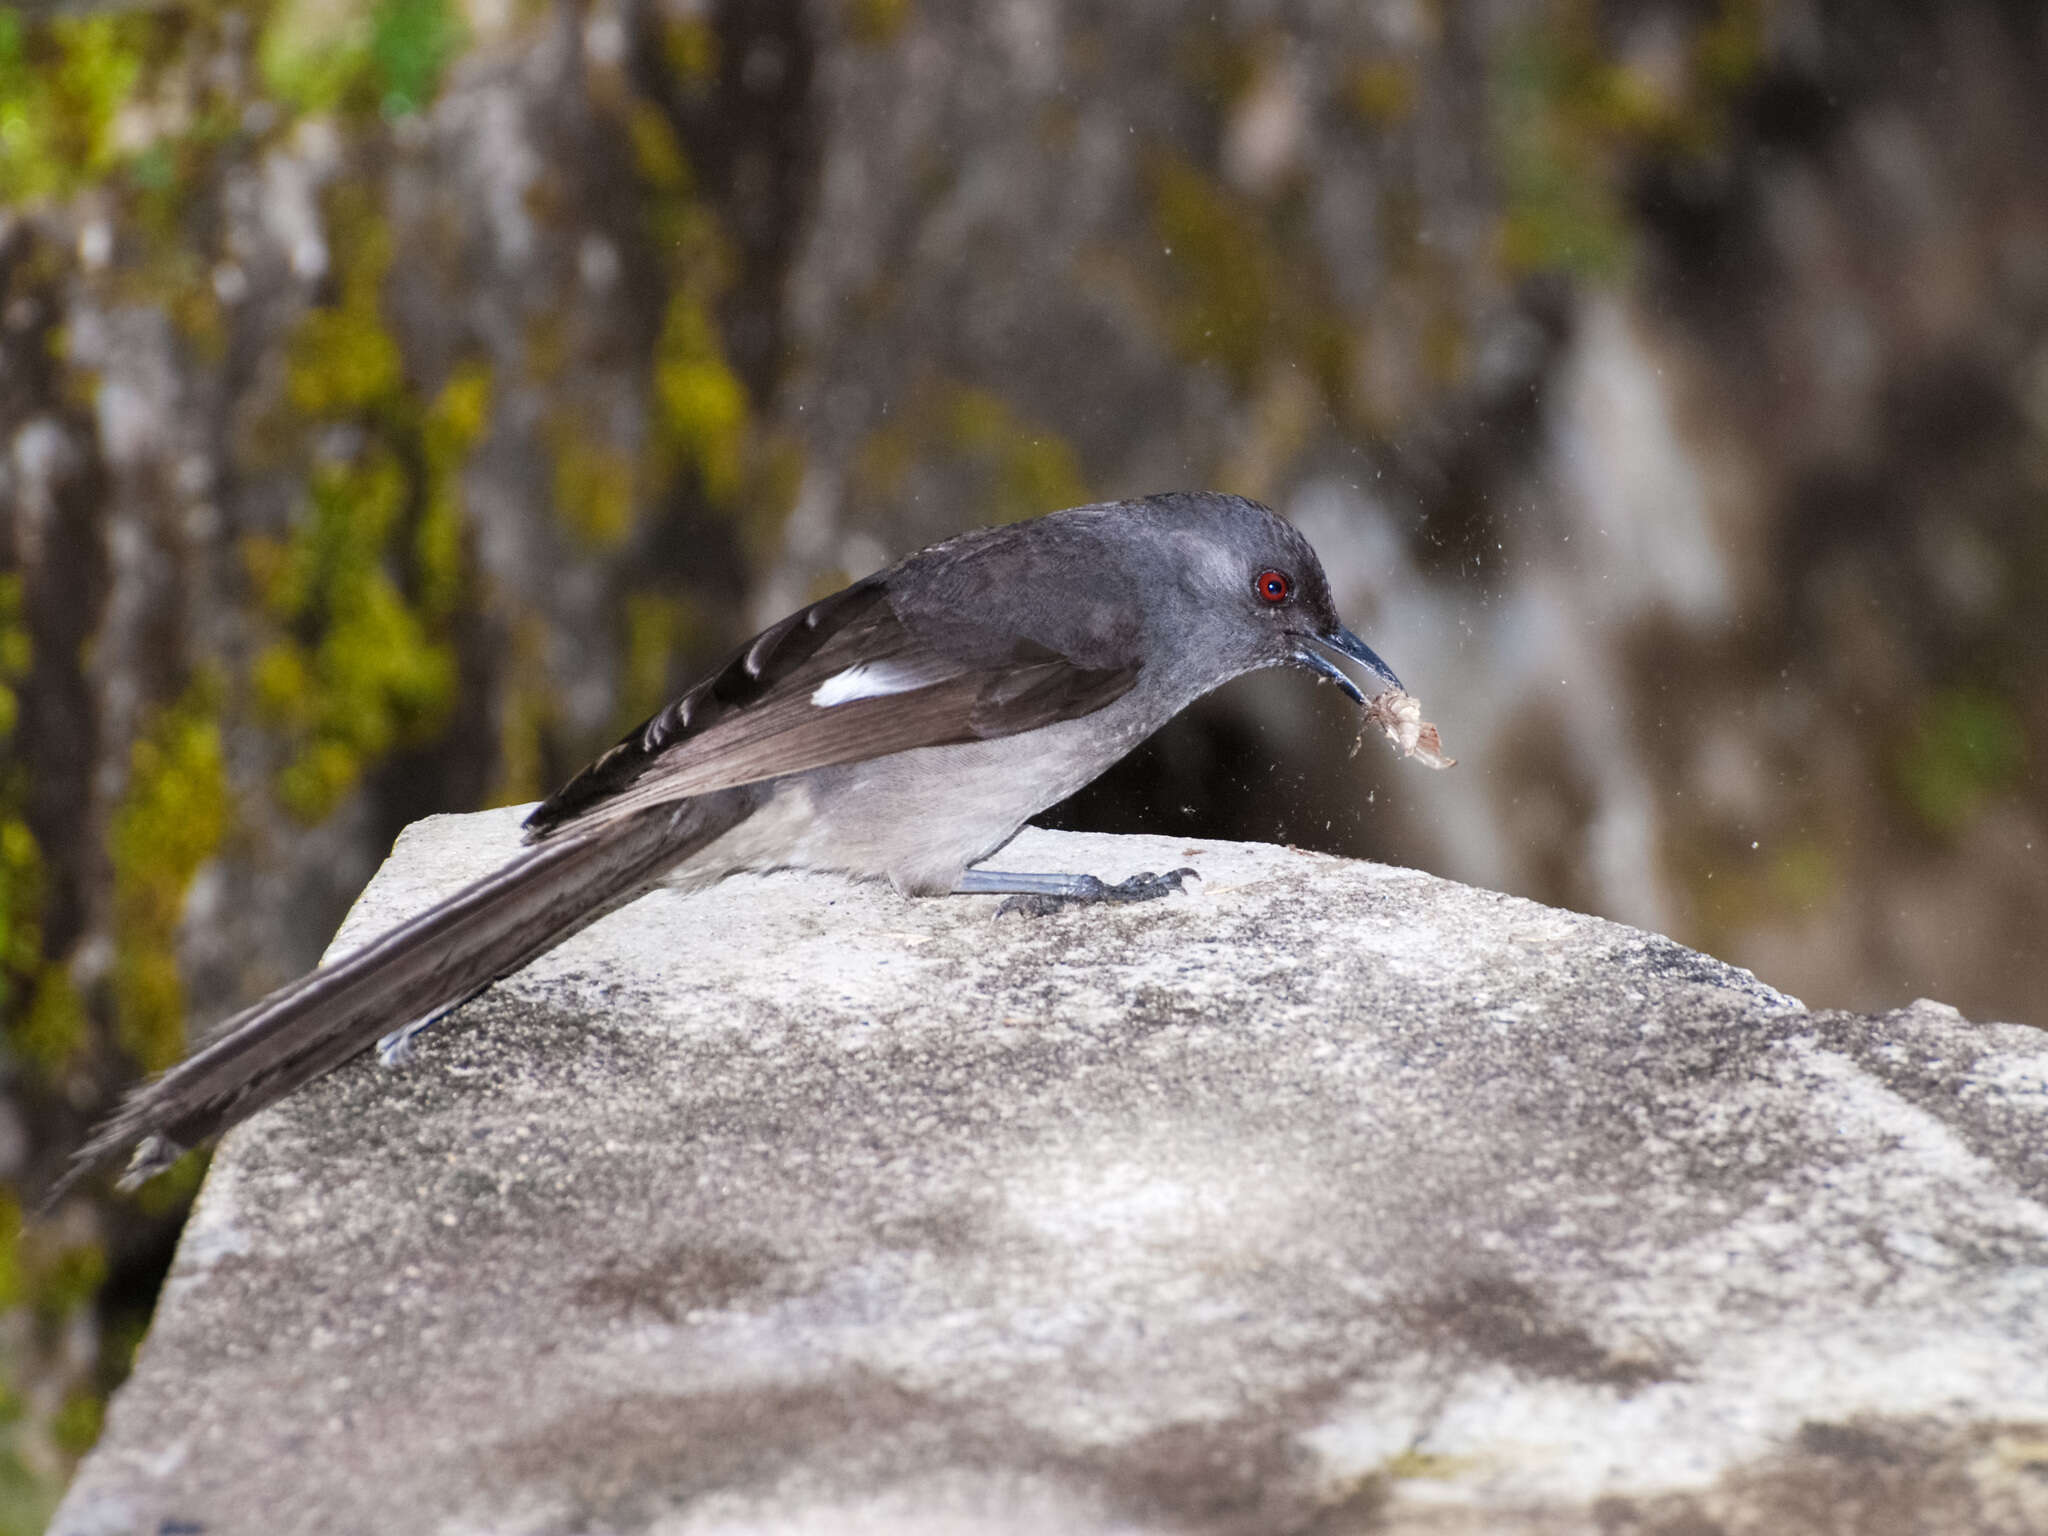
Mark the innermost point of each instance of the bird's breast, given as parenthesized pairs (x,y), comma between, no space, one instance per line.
(919,818)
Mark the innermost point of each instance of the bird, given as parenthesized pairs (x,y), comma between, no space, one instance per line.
(903,729)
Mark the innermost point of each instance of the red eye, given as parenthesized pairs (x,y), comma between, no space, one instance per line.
(1273,586)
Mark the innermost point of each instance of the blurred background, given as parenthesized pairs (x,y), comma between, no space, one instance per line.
(398,398)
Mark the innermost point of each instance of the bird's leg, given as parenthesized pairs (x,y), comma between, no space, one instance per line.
(1035,895)
(395,1048)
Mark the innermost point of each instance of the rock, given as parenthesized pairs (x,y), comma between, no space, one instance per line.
(1331,1198)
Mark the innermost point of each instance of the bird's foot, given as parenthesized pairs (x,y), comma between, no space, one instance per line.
(152,1155)
(1088,891)
(395,1049)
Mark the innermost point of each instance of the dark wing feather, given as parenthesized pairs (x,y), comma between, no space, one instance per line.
(754,718)
(742,678)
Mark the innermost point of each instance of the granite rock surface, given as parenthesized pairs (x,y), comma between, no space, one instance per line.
(1330,1198)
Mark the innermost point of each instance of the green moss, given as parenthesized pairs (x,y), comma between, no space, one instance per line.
(701,406)
(1382,92)
(56,1282)
(1802,877)
(26,1500)
(76,1425)
(1018,470)
(1427,1465)
(17,646)
(1729,49)
(1225,273)
(62,81)
(172,817)
(680,225)
(51,1281)
(1571,122)
(134,105)
(363,590)
(658,629)
(13,1287)
(886,456)
(1562,207)
(51,1031)
(700,417)
(411,42)
(376,674)
(313,53)
(689,46)
(1030,471)
(1216,63)
(342,360)
(698,413)
(346,55)
(594,483)
(657,154)
(775,478)
(62,1279)
(1243,286)
(21,905)
(874,23)
(454,424)
(1968,746)
(21,861)
(527,716)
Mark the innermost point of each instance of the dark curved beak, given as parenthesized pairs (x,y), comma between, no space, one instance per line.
(1345,643)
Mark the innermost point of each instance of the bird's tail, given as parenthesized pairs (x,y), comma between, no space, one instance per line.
(421,968)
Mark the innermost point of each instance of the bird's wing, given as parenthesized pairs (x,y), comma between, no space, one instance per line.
(841,681)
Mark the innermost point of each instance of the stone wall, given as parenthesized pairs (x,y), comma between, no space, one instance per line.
(1333,1198)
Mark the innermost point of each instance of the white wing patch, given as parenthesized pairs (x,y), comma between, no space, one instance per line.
(873,680)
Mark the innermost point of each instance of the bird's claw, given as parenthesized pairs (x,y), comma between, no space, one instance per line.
(1093,892)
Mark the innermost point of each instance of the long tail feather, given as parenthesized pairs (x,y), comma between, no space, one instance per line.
(424,966)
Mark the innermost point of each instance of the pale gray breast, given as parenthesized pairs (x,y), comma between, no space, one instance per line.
(919,818)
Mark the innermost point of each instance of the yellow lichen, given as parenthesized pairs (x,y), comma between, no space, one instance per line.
(454,424)
(657,155)
(312,52)
(526,716)
(21,906)
(1030,471)
(1429,1466)
(1224,273)
(1968,746)
(362,589)
(594,483)
(171,818)
(876,22)
(342,359)
(1570,120)
(52,1029)
(690,47)
(1017,468)
(77,1423)
(21,864)
(375,675)
(775,478)
(384,55)
(658,629)
(1382,92)
(63,80)
(701,405)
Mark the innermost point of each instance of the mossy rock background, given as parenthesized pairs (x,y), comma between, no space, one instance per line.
(400,398)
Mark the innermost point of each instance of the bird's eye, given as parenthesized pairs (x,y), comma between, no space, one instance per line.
(1273,586)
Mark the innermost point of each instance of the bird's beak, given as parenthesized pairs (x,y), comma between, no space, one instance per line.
(1345,643)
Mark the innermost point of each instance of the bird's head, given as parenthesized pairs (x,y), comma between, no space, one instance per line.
(1259,587)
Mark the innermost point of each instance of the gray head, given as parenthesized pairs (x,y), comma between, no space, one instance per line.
(1260,597)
